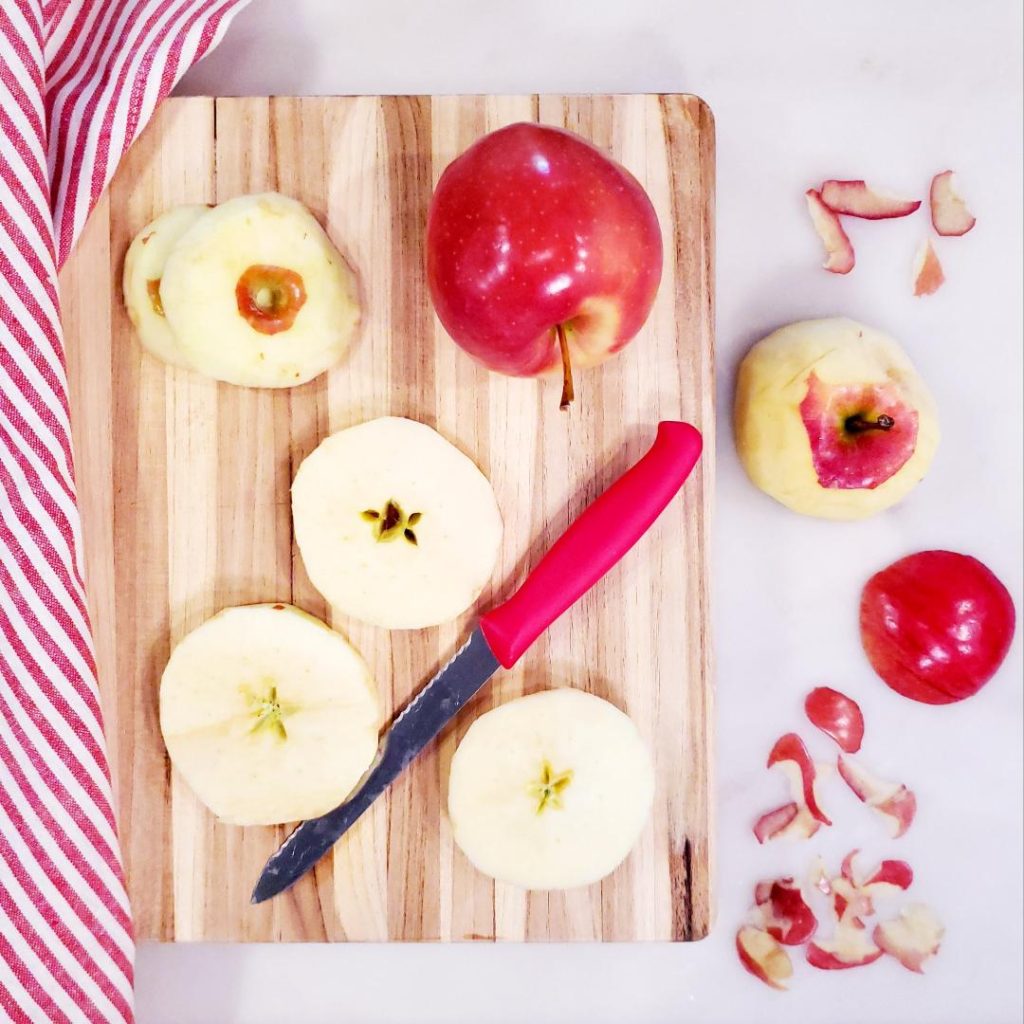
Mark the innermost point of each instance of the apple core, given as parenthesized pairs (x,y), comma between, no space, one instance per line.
(269,298)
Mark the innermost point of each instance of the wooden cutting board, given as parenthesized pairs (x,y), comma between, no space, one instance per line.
(184,489)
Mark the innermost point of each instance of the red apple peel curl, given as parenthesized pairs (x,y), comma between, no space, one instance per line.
(892,800)
(858,199)
(839,255)
(950,215)
(837,716)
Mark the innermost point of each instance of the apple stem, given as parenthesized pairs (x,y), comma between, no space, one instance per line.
(858,425)
(567,389)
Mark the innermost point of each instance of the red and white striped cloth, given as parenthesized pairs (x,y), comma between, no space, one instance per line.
(78,80)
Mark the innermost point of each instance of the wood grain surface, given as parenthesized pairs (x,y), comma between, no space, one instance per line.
(184,490)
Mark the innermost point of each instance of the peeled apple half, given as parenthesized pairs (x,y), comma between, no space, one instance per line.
(257,294)
(396,526)
(550,791)
(268,714)
(143,270)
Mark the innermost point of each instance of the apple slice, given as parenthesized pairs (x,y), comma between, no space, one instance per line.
(784,912)
(858,199)
(550,791)
(850,946)
(763,957)
(912,938)
(839,257)
(928,275)
(790,754)
(892,800)
(143,272)
(950,215)
(258,295)
(269,715)
(837,716)
(396,526)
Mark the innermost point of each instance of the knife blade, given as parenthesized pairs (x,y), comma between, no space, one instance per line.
(588,549)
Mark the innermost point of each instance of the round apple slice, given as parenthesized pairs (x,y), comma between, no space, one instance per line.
(141,283)
(258,295)
(268,714)
(550,791)
(396,526)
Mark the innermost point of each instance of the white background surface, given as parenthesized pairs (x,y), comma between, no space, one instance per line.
(801,91)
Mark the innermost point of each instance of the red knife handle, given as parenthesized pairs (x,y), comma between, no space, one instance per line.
(601,535)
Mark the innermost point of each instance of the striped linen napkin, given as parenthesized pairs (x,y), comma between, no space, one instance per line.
(78,80)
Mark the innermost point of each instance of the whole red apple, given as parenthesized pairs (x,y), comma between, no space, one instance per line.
(541,252)
(936,625)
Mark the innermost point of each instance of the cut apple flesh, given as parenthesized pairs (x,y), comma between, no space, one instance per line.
(892,800)
(258,295)
(141,282)
(928,275)
(839,257)
(396,526)
(950,215)
(837,716)
(269,715)
(550,791)
(763,957)
(912,938)
(858,199)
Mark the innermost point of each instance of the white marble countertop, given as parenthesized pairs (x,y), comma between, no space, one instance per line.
(801,91)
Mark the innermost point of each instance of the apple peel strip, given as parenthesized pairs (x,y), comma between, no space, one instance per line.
(856,198)
(836,715)
(892,800)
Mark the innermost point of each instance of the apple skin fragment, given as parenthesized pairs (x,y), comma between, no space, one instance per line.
(928,273)
(839,255)
(763,957)
(799,823)
(837,716)
(856,198)
(950,216)
(784,913)
(892,800)
(912,938)
(790,754)
(849,947)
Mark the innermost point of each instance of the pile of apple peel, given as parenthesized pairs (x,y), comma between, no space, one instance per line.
(782,914)
(856,198)
(839,717)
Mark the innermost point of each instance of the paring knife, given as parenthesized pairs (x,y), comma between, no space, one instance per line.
(601,535)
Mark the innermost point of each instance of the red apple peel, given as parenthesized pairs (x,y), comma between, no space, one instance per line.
(790,819)
(790,754)
(928,275)
(784,913)
(850,946)
(839,255)
(950,215)
(912,938)
(763,957)
(858,199)
(892,800)
(837,716)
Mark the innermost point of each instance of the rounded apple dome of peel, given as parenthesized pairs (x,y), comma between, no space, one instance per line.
(542,253)
(833,420)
